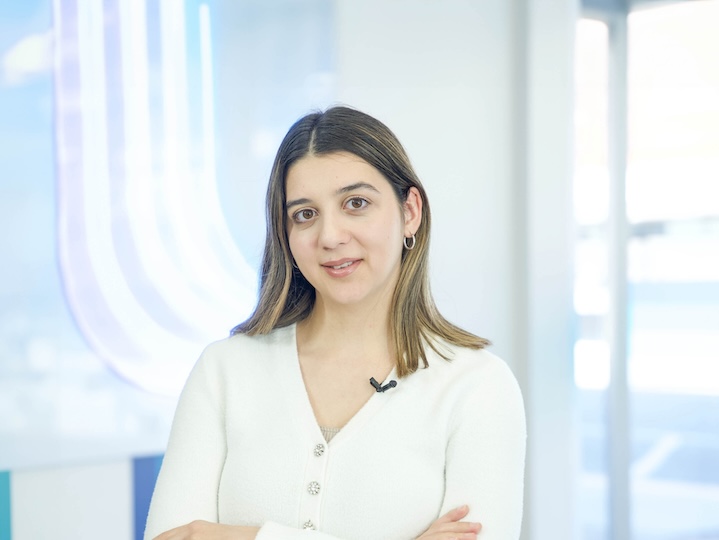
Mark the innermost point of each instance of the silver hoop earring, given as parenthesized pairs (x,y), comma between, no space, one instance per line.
(407,245)
(294,265)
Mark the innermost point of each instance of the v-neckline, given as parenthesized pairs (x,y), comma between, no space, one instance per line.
(306,413)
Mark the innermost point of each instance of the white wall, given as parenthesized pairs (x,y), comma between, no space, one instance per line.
(74,502)
(480,93)
(439,74)
(547,373)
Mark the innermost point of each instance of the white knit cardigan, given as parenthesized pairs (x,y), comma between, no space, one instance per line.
(245,449)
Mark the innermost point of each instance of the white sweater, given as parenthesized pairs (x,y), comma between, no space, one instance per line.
(245,449)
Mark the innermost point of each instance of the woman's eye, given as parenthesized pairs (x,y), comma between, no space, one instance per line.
(304,215)
(356,203)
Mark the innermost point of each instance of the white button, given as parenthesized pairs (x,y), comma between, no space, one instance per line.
(309,525)
(319,449)
(313,488)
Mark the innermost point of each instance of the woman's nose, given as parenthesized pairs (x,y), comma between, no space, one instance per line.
(333,232)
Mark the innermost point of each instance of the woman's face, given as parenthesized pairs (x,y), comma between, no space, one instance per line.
(345,228)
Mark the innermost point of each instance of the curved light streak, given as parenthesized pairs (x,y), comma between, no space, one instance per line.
(151,272)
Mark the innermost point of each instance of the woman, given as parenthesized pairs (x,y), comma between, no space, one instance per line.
(346,406)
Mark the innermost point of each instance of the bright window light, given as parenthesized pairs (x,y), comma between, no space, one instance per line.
(591,364)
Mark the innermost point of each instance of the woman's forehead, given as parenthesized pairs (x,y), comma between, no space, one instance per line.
(332,172)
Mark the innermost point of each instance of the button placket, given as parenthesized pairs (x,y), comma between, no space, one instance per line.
(314,480)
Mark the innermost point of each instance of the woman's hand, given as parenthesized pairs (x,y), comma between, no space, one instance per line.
(204,530)
(449,527)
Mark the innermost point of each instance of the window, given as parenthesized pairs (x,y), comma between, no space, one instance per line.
(672,253)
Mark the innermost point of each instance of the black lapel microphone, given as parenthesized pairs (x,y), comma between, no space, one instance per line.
(377,386)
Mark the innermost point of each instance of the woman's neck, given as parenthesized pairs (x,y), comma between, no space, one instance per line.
(360,336)
(339,355)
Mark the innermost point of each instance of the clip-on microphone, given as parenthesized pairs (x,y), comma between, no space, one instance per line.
(377,386)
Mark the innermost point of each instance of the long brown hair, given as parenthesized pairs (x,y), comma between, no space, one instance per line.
(286,297)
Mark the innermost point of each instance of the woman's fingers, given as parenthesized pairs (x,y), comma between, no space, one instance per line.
(184,531)
(204,530)
(459,526)
(454,515)
(435,534)
(450,527)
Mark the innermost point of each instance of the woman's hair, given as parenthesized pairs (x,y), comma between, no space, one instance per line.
(287,297)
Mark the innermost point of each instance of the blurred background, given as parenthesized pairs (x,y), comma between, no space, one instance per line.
(570,150)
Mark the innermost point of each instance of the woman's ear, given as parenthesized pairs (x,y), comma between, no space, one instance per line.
(412,212)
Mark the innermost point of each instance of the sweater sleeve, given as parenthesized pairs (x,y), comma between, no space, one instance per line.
(187,486)
(486,452)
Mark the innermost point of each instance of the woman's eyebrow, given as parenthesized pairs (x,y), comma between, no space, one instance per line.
(340,191)
(358,185)
(296,202)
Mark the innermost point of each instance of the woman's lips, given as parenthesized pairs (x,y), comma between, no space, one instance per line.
(342,267)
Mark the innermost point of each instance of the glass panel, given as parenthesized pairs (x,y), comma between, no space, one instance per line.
(591,179)
(591,293)
(673,199)
(673,163)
